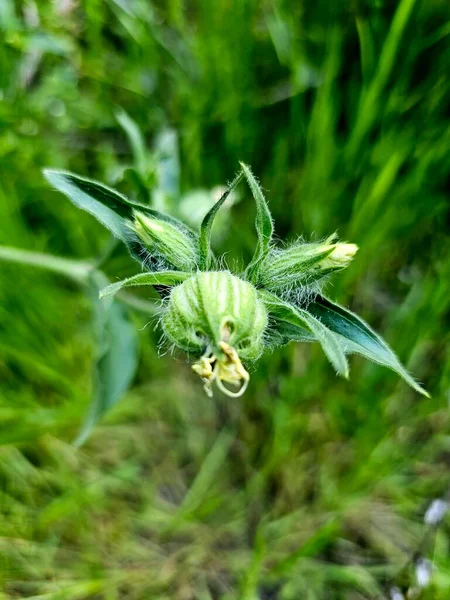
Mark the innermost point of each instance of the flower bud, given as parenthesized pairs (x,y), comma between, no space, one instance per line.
(340,256)
(165,241)
(220,316)
(303,263)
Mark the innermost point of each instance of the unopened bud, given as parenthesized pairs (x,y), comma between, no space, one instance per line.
(340,256)
(304,263)
(166,241)
(219,316)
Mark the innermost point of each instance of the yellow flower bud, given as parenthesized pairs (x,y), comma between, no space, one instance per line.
(340,257)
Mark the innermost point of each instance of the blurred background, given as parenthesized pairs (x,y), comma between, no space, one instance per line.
(309,487)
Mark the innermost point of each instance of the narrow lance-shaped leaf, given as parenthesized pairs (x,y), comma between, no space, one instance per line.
(264,225)
(137,173)
(205,255)
(359,338)
(116,356)
(88,194)
(166,152)
(112,209)
(285,311)
(164,278)
(108,206)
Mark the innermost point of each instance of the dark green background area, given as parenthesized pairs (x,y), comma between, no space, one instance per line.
(309,487)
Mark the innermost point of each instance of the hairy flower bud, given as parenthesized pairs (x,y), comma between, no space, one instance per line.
(220,316)
(304,263)
(166,241)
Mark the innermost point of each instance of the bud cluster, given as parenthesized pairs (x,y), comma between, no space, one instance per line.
(222,319)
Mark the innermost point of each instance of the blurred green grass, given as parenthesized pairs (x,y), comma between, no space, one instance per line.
(309,487)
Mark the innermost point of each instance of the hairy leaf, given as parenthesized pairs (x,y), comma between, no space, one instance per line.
(205,259)
(284,311)
(164,278)
(359,338)
(108,206)
(264,225)
(112,209)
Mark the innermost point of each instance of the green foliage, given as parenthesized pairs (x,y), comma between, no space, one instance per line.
(163,278)
(358,337)
(166,243)
(206,261)
(117,355)
(264,225)
(128,221)
(309,486)
(115,337)
(289,313)
(288,272)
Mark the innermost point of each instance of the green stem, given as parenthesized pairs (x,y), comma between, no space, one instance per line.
(77,270)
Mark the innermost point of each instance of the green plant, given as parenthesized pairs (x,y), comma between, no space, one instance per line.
(221,318)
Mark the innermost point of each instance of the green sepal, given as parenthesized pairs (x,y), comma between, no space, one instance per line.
(284,311)
(264,226)
(206,261)
(161,278)
(357,337)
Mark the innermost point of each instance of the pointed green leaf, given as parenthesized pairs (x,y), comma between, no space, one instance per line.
(95,197)
(284,311)
(165,278)
(359,337)
(107,205)
(112,209)
(166,154)
(205,259)
(117,356)
(264,225)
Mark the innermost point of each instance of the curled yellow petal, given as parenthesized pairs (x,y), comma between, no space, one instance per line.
(227,368)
